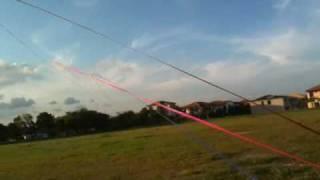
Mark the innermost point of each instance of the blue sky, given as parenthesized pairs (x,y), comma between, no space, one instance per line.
(252,47)
(128,20)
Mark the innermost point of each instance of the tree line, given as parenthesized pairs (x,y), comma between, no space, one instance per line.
(83,121)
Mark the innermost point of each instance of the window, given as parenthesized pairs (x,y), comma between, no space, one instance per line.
(311,94)
(269,102)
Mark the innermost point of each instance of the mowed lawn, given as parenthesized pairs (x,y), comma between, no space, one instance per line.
(167,152)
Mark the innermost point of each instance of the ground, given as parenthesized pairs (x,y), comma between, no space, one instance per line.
(170,152)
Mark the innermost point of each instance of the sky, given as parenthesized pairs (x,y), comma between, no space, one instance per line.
(251,47)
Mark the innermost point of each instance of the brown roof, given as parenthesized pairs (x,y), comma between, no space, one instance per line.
(268,97)
(218,103)
(315,88)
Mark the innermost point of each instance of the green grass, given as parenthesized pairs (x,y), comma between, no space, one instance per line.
(167,153)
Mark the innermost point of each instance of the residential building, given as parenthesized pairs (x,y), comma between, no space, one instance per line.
(277,103)
(222,108)
(216,108)
(163,111)
(200,109)
(313,97)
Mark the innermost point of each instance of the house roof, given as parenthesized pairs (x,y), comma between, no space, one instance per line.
(315,88)
(198,104)
(163,103)
(217,103)
(244,101)
(267,97)
(297,95)
(166,102)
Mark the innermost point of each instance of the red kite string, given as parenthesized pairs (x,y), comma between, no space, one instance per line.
(214,126)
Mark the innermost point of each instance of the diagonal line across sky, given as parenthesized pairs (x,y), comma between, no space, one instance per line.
(243,138)
(159,60)
(210,149)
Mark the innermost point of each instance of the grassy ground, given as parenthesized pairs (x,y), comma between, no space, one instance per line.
(167,153)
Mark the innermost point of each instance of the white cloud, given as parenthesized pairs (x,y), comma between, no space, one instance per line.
(280,48)
(13,73)
(165,39)
(132,74)
(276,62)
(128,74)
(232,71)
(248,77)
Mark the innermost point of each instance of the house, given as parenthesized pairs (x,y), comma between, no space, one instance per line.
(163,111)
(276,103)
(216,108)
(223,108)
(27,137)
(240,108)
(41,135)
(313,97)
(199,109)
(220,108)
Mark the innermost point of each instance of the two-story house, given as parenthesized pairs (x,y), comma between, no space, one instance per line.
(313,96)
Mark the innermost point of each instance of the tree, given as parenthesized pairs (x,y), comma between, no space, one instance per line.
(3,133)
(25,123)
(149,117)
(124,120)
(46,123)
(14,132)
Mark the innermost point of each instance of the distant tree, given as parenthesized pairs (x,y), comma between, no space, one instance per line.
(83,121)
(4,135)
(14,132)
(91,120)
(124,120)
(25,123)
(60,125)
(152,118)
(46,123)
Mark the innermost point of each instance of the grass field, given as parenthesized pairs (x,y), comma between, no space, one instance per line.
(167,153)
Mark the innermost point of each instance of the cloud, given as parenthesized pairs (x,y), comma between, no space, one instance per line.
(128,74)
(53,102)
(16,103)
(12,73)
(278,61)
(21,102)
(71,101)
(157,41)
(280,48)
